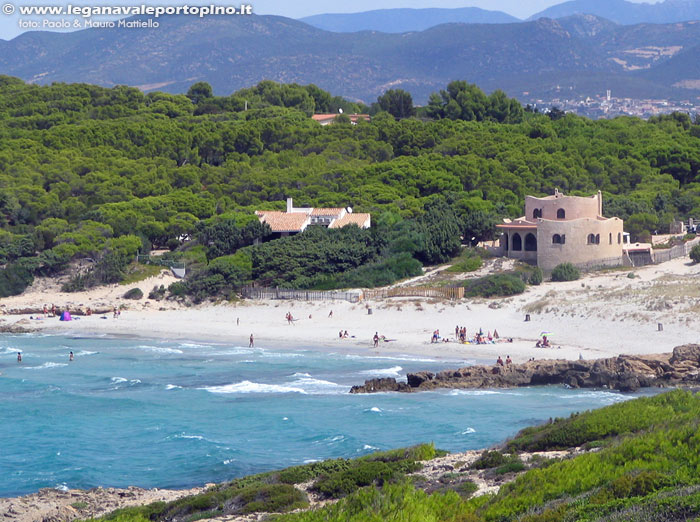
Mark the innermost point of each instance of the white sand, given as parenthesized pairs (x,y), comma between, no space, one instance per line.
(601,315)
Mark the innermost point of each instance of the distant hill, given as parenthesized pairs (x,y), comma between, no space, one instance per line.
(581,54)
(405,20)
(627,13)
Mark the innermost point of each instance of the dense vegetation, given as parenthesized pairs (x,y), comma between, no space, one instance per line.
(644,468)
(100,174)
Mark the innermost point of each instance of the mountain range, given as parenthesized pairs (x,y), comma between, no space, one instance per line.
(544,58)
(405,20)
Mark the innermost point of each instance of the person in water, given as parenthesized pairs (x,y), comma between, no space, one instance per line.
(70,357)
(19,357)
(252,342)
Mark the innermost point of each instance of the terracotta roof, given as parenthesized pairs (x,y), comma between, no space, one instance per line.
(326,211)
(351,219)
(282,221)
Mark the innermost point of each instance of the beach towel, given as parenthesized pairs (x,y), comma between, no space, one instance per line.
(65,316)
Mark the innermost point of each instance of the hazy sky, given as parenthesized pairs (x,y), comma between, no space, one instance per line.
(9,25)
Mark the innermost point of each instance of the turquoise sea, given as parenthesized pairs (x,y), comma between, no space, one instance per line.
(157,413)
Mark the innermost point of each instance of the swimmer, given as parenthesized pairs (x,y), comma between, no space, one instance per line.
(19,357)
(70,357)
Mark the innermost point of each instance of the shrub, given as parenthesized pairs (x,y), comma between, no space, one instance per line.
(489,459)
(270,498)
(469,264)
(565,272)
(134,293)
(157,293)
(364,473)
(536,277)
(494,285)
(14,278)
(695,254)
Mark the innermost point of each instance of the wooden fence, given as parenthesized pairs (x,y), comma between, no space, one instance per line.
(446,292)
(261,292)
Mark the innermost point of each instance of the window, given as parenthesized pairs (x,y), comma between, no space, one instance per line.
(591,239)
(561,213)
(556,239)
(619,238)
(517,242)
(530,243)
(611,238)
(504,240)
(537,213)
(597,239)
(563,239)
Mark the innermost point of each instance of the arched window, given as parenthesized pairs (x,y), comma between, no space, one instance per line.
(537,213)
(563,239)
(611,238)
(561,213)
(597,239)
(530,243)
(556,239)
(517,243)
(619,238)
(591,239)
(504,242)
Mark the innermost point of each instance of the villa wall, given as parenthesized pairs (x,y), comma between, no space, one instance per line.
(576,248)
(575,207)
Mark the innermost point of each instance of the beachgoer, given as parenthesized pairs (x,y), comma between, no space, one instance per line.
(495,334)
(19,357)
(330,314)
(46,311)
(70,357)
(340,334)
(115,313)
(456,331)
(345,334)
(545,342)
(251,344)
(88,311)
(309,316)
(499,361)
(376,339)
(580,357)
(238,321)
(53,310)
(488,336)
(538,344)
(509,360)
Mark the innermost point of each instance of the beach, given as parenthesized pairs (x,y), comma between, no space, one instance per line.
(603,314)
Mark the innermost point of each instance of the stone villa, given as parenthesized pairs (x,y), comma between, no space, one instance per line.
(559,229)
(296,219)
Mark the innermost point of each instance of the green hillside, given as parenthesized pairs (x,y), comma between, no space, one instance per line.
(88,172)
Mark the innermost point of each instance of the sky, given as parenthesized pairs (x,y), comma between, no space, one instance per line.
(10,24)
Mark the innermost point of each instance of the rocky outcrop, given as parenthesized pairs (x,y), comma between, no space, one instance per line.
(624,373)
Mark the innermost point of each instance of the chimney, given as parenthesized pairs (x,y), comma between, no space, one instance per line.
(290,207)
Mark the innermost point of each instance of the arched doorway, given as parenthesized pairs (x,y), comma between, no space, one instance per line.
(517,243)
(530,243)
(504,242)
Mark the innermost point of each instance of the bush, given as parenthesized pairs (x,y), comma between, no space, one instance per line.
(469,264)
(364,473)
(489,459)
(565,272)
(14,278)
(157,293)
(269,498)
(536,277)
(134,293)
(695,254)
(498,285)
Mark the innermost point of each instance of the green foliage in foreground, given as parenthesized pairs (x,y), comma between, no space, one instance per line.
(497,285)
(695,254)
(645,469)
(565,272)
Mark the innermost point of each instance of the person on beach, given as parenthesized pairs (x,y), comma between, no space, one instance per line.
(53,310)
(509,361)
(345,334)
(495,334)
(46,311)
(19,357)
(251,344)
(376,339)
(88,311)
(340,334)
(70,357)
(330,314)
(238,321)
(499,361)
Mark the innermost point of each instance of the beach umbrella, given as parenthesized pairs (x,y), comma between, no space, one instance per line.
(548,334)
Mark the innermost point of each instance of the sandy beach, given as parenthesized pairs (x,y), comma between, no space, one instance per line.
(601,315)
